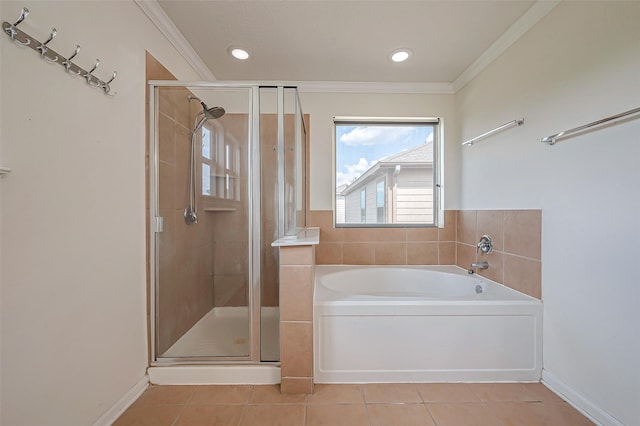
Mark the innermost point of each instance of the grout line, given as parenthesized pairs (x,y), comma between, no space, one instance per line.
(184,406)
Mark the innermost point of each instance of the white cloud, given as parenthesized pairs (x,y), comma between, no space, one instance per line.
(374,135)
(353,171)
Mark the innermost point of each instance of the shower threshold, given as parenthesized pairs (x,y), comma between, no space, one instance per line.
(224,332)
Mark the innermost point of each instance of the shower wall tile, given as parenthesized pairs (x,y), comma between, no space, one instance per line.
(230,257)
(240,297)
(226,289)
(166,139)
(182,142)
(167,185)
(270,273)
(186,280)
(166,240)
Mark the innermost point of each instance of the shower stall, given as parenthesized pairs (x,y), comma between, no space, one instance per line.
(227,177)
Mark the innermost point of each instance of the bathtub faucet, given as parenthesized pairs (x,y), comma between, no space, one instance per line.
(480,265)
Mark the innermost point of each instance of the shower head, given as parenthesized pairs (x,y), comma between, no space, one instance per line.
(209,113)
(213,112)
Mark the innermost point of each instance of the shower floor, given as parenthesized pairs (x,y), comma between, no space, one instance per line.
(224,332)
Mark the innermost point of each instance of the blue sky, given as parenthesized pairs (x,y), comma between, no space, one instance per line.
(360,147)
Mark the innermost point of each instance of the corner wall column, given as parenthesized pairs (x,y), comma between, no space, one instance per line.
(297,274)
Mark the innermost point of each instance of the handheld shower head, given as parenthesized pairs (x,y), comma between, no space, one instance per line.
(209,113)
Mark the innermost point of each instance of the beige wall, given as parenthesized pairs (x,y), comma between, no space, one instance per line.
(580,63)
(73,337)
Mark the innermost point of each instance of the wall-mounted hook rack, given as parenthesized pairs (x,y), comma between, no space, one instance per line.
(51,56)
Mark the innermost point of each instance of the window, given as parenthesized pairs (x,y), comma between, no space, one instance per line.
(394,162)
(380,201)
(220,156)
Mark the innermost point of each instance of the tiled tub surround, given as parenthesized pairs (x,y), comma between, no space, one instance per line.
(384,246)
(516,234)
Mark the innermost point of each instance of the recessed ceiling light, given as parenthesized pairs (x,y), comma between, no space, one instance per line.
(239,53)
(400,55)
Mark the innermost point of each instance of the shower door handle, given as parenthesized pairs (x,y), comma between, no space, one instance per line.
(159,224)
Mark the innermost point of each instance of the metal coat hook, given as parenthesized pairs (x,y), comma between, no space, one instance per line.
(88,75)
(44,49)
(68,64)
(50,55)
(12,31)
(23,14)
(106,86)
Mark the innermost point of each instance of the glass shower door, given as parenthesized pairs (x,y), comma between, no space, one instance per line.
(203,252)
(227,167)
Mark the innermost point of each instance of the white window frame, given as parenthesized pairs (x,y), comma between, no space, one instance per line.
(438,169)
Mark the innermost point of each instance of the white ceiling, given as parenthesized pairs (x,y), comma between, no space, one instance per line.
(346,41)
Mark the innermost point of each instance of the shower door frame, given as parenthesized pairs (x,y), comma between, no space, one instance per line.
(254,208)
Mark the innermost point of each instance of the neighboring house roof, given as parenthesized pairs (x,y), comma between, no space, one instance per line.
(421,155)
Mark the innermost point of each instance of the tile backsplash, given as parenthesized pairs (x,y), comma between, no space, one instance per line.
(383,246)
(516,235)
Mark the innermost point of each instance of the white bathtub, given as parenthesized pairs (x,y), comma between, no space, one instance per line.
(378,324)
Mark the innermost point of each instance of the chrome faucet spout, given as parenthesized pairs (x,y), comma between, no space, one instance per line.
(479,265)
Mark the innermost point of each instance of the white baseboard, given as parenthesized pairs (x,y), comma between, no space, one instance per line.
(123,403)
(577,401)
(215,375)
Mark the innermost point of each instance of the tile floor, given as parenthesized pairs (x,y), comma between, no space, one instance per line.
(511,404)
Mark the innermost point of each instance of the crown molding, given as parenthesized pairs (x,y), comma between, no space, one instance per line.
(531,17)
(154,12)
(373,87)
